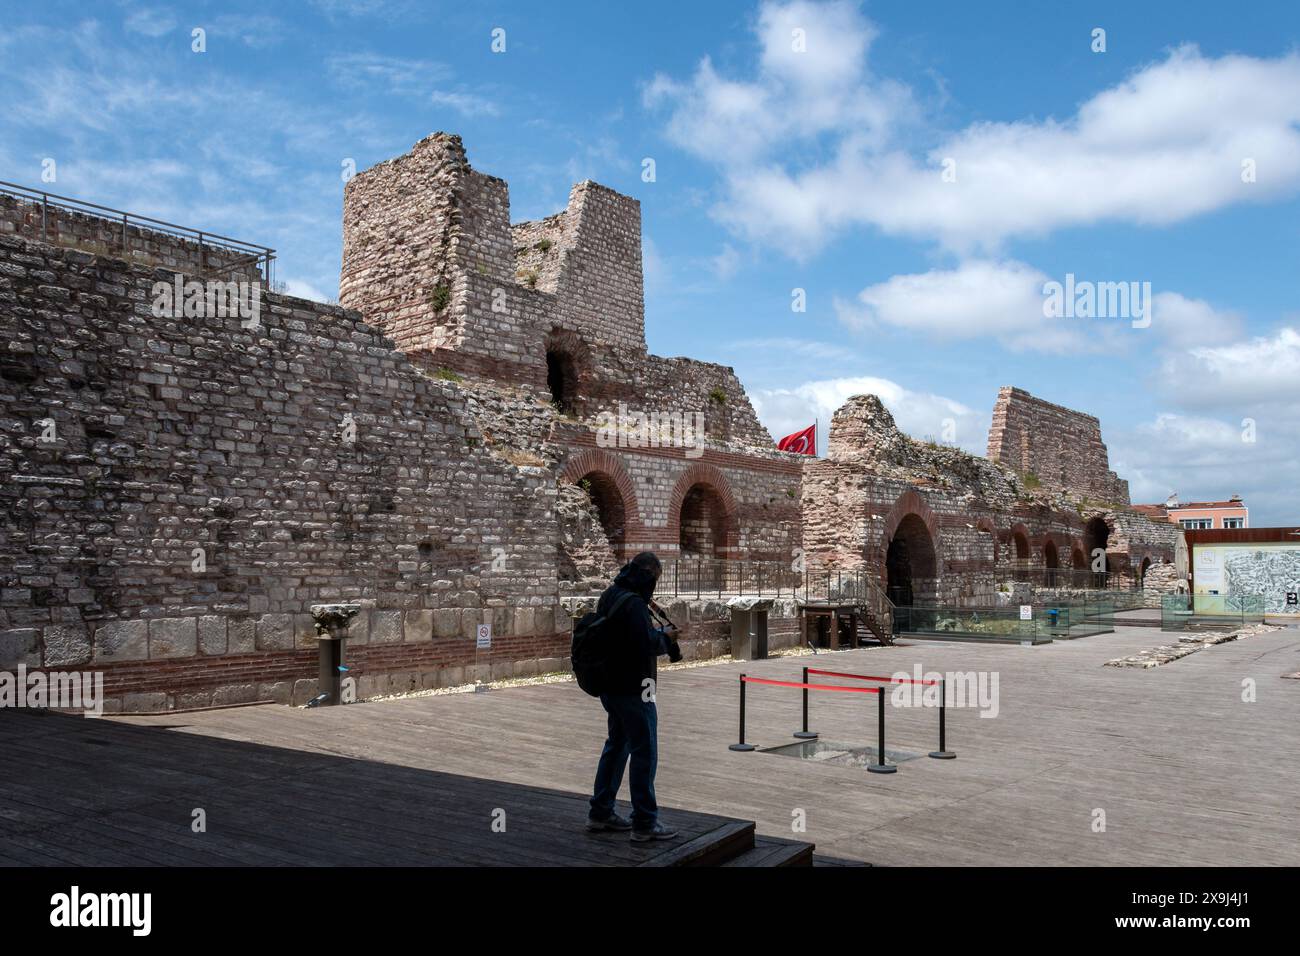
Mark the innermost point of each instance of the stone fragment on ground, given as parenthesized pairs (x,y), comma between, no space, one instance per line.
(1165,653)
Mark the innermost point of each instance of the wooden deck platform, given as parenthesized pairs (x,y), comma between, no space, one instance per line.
(1186,772)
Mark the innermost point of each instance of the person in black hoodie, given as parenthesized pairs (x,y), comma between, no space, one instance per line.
(629,700)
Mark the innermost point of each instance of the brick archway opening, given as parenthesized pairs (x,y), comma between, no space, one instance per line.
(1078,559)
(702,523)
(1020,542)
(1051,561)
(1096,536)
(911,566)
(610,507)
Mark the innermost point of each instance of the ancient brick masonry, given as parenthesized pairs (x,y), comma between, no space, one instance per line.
(206,482)
(478,437)
(938,525)
(1058,446)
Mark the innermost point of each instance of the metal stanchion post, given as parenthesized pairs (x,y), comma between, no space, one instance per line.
(741,745)
(880,766)
(943,753)
(805,734)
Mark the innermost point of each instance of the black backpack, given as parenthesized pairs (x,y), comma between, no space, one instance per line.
(590,648)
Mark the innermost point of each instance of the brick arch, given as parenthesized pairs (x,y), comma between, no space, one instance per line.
(599,461)
(910,504)
(1019,529)
(1078,557)
(711,477)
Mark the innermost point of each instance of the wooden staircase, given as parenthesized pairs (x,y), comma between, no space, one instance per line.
(734,843)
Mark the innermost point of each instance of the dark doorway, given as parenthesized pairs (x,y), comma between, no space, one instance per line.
(605,496)
(562,380)
(1051,561)
(1096,535)
(910,567)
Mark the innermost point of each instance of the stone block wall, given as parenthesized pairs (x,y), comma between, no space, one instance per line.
(100,236)
(198,492)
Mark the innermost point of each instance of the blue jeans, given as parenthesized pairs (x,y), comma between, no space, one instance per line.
(633,733)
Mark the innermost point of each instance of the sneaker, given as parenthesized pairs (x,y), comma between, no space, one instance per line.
(657,832)
(612,822)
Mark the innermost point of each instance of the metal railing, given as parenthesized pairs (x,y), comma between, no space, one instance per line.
(245,253)
(1077,578)
(737,577)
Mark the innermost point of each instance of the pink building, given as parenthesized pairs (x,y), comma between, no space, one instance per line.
(1200,515)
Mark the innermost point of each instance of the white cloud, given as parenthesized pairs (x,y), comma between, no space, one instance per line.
(150,21)
(1207,458)
(1164,145)
(1183,321)
(304,290)
(726,263)
(1264,370)
(467,104)
(977,299)
(922,415)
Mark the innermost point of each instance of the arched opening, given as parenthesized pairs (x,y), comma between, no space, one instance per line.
(1142,571)
(1020,567)
(1078,560)
(1051,562)
(911,569)
(562,379)
(702,526)
(702,537)
(1096,535)
(605,496)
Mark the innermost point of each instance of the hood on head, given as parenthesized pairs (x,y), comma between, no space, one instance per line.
(636,579)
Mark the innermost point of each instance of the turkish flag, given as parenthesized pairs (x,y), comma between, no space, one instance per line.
(801,443)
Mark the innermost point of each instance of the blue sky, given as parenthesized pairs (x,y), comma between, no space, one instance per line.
(780,164)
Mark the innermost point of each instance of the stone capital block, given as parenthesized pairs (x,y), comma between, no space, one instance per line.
(173,637)
(122,641)
(66,644)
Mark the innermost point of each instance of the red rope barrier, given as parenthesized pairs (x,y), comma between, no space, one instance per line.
(887,680)
(795,683)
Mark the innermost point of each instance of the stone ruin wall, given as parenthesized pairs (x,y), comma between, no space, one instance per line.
(1060,447)
(571,282)
(176,434)
(183,434)
(973,509)
(94,234)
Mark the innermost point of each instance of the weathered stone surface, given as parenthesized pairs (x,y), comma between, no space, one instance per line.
(66,645)
(212,634)
(20,646)
(275,632)
(173,637)
(122,641)
(418,626)
(386,627)
(241,635)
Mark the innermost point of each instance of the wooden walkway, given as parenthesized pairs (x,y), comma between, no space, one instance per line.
(1185,772)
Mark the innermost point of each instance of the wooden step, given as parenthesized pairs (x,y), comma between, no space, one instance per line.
(774,851)
(711,848)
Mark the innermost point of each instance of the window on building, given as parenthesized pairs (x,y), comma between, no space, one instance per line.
(1234,522)
(1196,524)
